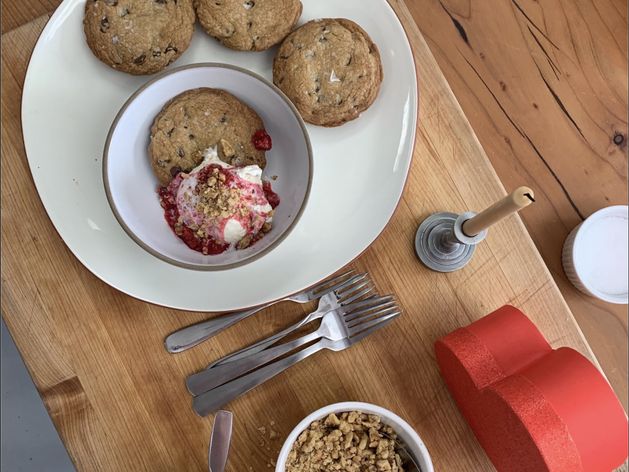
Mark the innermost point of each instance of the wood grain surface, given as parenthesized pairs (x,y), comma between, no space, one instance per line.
(544,86)
(118,399)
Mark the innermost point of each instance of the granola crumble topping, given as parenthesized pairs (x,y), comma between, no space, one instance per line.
(351,442)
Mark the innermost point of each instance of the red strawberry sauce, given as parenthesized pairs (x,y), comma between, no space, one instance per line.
(261,140)
(272,197)
(171,213)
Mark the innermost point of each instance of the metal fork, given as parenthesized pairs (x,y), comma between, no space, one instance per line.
(349,315)
(212,400)
(195,334)
(355,288)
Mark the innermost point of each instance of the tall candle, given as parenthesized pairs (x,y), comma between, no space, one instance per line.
(520,198)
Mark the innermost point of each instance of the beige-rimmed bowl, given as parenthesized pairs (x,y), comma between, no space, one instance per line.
(406,434)
(131,186)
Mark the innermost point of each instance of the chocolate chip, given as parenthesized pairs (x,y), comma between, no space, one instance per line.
(104,24)
(191,136)
(175,170)
(249,24)
(223,119)
(170,132)
(157,53)
(170,48)
(161,2)
(111,3)
(140,59)
(123,12)
(181,152)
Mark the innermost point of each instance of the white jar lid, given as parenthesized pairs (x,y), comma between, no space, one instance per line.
(600,256)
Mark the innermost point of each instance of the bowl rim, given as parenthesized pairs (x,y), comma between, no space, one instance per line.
(163,257)
(396,421)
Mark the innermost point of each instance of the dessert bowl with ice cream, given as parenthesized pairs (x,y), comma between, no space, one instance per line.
(208,167)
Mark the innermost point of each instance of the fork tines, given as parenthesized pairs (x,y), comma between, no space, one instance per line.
(360,287)
(330,284)
(366,314)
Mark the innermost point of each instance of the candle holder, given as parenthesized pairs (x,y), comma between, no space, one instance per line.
(441,244)
(446,241)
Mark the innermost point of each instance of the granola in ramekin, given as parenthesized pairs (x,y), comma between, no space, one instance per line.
(349,442)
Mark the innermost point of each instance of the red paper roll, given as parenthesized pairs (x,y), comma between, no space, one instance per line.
(532,408)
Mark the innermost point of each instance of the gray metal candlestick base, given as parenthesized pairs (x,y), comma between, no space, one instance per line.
(441,244)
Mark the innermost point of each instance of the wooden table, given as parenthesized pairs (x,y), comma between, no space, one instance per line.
(118,399)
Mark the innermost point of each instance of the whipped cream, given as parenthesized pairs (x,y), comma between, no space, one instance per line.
(251,173)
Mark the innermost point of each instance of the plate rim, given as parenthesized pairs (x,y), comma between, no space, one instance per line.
(114,126)
(117,287)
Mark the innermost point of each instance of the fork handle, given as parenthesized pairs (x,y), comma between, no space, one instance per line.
(208,379)
(266,342)
(214,399)
(190,336)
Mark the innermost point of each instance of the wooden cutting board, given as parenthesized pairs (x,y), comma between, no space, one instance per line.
(118,399)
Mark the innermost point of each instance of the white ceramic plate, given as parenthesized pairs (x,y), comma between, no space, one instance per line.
(70,100)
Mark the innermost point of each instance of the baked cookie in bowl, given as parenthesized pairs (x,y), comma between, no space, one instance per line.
(198,119)
(208,167)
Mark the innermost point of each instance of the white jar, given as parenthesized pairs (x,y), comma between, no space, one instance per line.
(595,255)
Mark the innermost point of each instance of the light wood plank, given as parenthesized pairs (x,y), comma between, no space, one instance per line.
(19,12)
(516,161)
(544,86)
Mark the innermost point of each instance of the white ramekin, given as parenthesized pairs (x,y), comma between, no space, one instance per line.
(407,435)
(594,255)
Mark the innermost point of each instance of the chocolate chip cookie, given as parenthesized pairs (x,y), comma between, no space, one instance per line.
(330,69)
(248,25)
(138,36)
(196,120)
